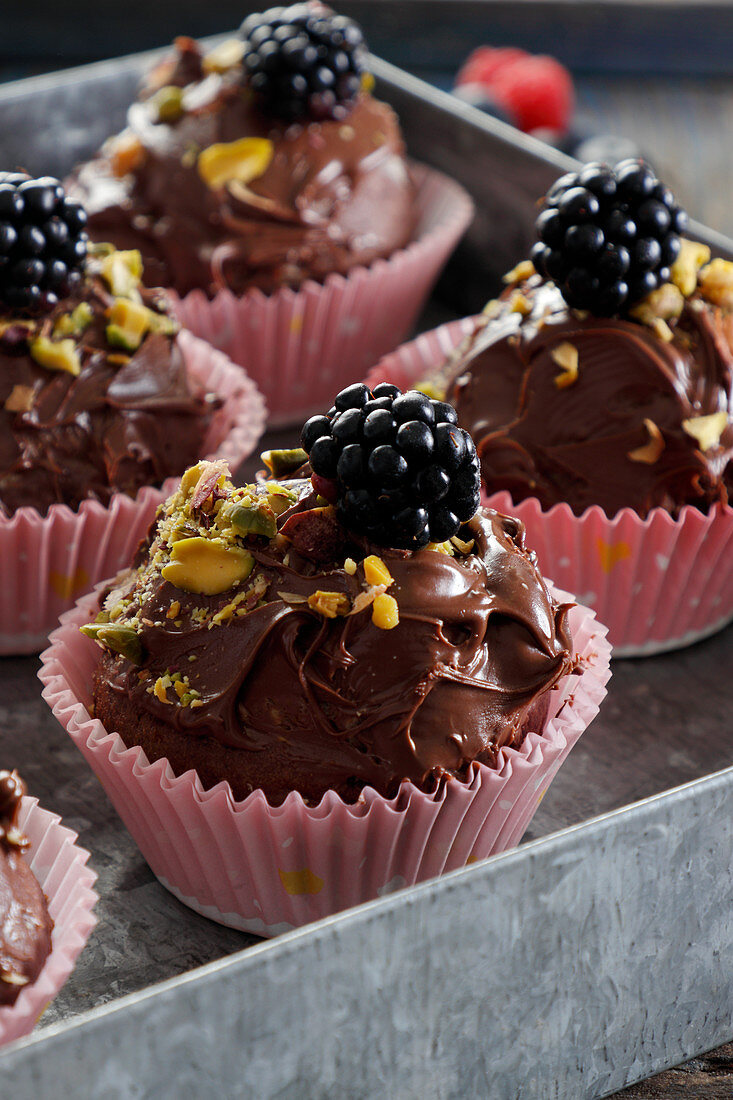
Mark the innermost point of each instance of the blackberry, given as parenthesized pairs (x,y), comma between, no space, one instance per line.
(608,236)
(303,61)
(43,243)
(405,474)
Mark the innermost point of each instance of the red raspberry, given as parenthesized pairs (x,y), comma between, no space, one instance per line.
(482,65)
(537,92)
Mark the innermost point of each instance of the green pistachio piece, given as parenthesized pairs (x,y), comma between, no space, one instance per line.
(280,499)
(74,323)
(280,463)
(117,637)
(56,355)
(162,323)
(122,271)
(251,520)
(168,103)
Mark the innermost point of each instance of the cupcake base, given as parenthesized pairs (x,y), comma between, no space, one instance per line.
(49,560)
(266,869)
(59,864)
(301,347)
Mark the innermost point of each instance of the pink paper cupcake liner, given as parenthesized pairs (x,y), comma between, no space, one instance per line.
(301,347)
(658,583)
(59,864)
(47,561)
(268,869)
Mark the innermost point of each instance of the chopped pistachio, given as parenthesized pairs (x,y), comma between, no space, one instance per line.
(20,399)
(281,463)
(665,303)
(651,451)
(167,103)
(129,321)
(329,604)
(385,612)
(376,572)
(122,271)
(118,637)
(243,160)
(707,430)
(125,152)
(56,355)
(350,566)
(566,356)
(716,283)
(518,274)
(207,566)
(74,323)
(685,268)
(224,56)
(253,520)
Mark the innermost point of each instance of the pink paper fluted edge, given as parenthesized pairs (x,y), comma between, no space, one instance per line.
(59,864)
(227,859)
(80,548)
(301,347)
(659,583)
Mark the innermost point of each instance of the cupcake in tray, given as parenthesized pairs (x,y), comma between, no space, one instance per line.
(102,398)
(316,688)
(599,392)
(46,903)
(268,189)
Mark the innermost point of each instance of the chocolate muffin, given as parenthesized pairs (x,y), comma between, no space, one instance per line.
(604,373)
(285,637)
(94,392)
(262,163)
(25,924)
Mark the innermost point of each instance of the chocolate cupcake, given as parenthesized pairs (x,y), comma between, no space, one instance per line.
(102,398)
(25,923)
(46,903)
(599,389)
(265,166)
(362,655)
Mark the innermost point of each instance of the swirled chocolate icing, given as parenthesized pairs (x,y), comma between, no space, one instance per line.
(335,194)
(25,924)
(127,419)
(594,440)
(275,694)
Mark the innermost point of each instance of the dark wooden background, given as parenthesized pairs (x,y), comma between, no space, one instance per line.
(658,73)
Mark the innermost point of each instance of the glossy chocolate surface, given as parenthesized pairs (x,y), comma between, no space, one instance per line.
(315,703)
(127,419)
(334,195)
(539,439)
(25,925)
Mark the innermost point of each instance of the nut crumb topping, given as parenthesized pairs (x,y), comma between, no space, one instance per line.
(651,451)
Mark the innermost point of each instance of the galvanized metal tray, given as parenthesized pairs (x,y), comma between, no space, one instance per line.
(593,955)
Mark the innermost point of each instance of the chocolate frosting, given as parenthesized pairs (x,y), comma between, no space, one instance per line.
(573,443)
(340,703)
(126,420)
(25,925)
(335,194)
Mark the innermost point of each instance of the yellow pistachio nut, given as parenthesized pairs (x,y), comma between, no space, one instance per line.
(129,321)
(126,153)
(206,566)
(243,160)
(329,604)
(122,271)
(685,268)
(566,356)
(224,56)
(375,571)
(707,430)
(716,283)
(665,303)
(56,355)
(74,323)
(385,612)
(518,274)
(118,637)
(651,451)
(167,103)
